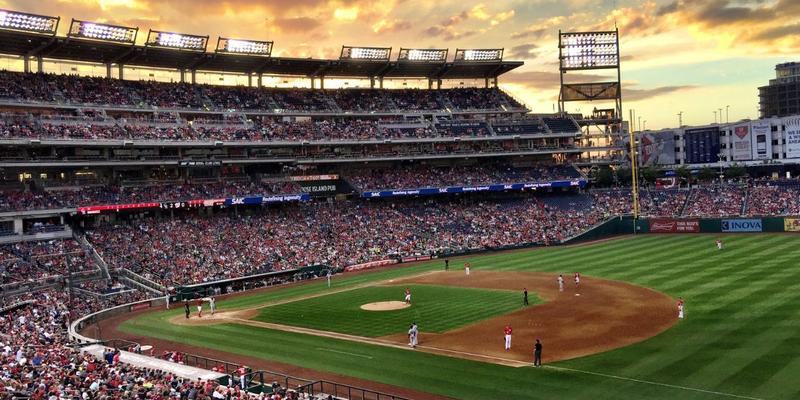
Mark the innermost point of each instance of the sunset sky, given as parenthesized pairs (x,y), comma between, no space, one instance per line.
(694,56)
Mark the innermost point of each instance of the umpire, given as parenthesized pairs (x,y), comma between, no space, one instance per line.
(537,354)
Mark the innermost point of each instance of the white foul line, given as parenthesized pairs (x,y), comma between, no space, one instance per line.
(344,352)
(653,383)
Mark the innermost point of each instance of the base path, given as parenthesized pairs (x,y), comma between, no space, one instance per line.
(606,315)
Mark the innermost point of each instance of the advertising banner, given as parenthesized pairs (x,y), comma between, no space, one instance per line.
(657,148)
(762,140)
(742,225)
(668,225)
(791,224)
(469,189)
(238,201)
(740,143)
(792,137)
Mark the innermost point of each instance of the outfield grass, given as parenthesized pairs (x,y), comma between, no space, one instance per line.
(740,337)
(435,308)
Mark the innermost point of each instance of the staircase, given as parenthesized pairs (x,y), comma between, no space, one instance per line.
(89,249)
(689,199)
(135,280)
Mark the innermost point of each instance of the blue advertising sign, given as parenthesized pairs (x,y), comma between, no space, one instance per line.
(468,189)
(267,199)
(741,225)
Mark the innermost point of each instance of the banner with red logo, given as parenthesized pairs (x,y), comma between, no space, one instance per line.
(668,225)
(791,224)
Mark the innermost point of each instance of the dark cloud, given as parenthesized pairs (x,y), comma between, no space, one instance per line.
(634,94)
(668,8)
(523,51)
(296,24)
(778,32)
(536,33)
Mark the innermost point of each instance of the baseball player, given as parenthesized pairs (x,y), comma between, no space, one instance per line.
(560,283)
(408,295)
(680,307)
(525,296)
(719,244)
(200,308)
(186,308)
(413,331)
(507,333)
(577,279)
(212,303)
(466,268)
(329,278)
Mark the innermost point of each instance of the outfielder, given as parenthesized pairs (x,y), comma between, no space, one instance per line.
(507,332)
(719,244)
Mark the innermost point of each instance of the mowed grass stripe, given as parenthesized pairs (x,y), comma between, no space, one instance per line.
(742,315)
(434,308)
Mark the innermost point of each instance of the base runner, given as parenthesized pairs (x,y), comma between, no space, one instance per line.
(413,332)
(561,283)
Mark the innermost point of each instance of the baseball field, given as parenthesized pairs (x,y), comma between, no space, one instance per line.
(616,336)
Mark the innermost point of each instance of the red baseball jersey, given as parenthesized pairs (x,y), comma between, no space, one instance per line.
(507,330)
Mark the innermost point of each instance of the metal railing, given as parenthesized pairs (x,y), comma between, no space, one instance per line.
(345,391)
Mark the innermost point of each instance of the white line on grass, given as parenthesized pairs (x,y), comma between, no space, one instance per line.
(344,352)
(623,378)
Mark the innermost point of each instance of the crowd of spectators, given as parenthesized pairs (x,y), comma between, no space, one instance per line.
(778,198)
(197,249)
(34,260)
(37,362)
(70,197)
(422,176)
(715,201)
(49,88)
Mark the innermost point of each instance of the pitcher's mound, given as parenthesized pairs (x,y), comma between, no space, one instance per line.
(385,306)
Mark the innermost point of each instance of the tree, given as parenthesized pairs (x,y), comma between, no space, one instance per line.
(684,174)
(603,176)
(623,175)
(735,171)
(707,174)
(650,174)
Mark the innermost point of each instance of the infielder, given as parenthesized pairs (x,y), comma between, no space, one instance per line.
(507,333)
(466,268)
(561,283)
(680,307)
(408,296)
(413,331)
(577,279)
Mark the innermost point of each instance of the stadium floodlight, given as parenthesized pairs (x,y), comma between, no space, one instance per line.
(18,21)
(239,46)
(423,55)
(92,30)
(366,53)
(478,55)
(589,50)
(176,40)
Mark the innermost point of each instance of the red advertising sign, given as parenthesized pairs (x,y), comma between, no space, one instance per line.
(664,225)
(115,207)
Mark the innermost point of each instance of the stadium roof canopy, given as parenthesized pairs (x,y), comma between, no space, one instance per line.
(31,44)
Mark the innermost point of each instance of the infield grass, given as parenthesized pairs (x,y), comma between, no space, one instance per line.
(740,340)
(435,308)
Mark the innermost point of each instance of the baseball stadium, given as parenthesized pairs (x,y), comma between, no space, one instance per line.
(190,218)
